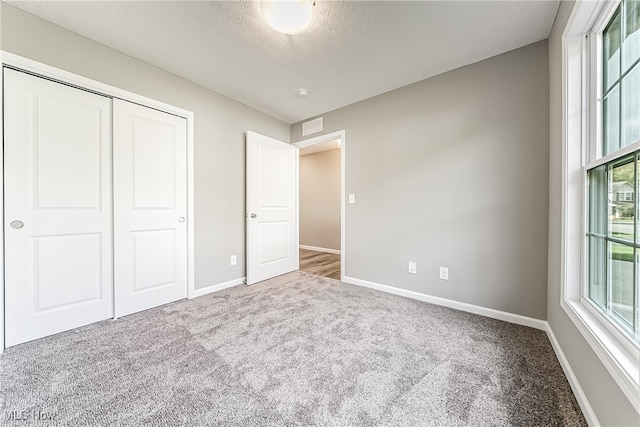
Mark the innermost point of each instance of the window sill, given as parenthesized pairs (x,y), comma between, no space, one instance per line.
(622,363)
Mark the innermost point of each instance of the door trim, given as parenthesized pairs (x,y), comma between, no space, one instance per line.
(52,73)
(2,323)
(341,134)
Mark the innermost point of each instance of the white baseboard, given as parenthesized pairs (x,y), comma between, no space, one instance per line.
(216,288)
(543,325)
(318,249)
(585,406)
(470,308)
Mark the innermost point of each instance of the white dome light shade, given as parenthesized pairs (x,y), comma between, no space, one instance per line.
(288,16)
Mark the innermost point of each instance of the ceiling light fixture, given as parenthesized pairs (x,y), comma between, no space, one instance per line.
(288,16)
(303,93)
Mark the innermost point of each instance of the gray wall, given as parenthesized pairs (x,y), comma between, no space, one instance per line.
(610,405)
(453,171)
(220,126)
(320,199)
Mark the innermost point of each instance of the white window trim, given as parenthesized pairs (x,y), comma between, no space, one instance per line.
(620,357)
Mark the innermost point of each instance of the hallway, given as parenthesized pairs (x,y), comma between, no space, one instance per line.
(320,263)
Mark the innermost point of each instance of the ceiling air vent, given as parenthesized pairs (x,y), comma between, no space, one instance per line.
(312,126)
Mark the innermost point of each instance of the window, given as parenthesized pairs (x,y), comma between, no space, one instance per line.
(621,78)
(613,234)
(625,196)
(601,184)
(613,242)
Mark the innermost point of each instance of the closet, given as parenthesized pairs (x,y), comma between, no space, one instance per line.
(95,207)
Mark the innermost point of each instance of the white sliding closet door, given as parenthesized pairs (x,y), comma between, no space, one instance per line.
(58,262)
(150,187)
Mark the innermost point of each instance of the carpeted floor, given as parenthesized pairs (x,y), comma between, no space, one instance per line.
(295,350)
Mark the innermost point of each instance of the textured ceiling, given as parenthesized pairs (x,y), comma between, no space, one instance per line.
(354,49)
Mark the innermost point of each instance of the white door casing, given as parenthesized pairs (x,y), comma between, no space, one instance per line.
(340,135)
(272,207)
(57,177)
(150,201)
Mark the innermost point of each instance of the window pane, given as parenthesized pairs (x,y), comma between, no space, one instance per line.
(637,292)
(631,43)
(631,107)
(621,204)
(621,262)
(611,59)
(611,121)
(637,306)
(597,179)
(597,272)
(637,217)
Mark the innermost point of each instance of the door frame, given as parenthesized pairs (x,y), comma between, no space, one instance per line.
(341,135)
(71,79)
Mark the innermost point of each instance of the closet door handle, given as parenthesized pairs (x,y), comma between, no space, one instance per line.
(181,219)
(253,215)
(16,225)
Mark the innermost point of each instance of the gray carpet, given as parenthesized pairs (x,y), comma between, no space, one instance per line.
(295,350)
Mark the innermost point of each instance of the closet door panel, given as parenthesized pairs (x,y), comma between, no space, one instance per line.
(150,229)
(58,217)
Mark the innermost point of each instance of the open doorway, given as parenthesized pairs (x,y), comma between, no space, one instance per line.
(321,205)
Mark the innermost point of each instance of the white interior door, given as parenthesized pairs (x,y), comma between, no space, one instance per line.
(57,215)
(272,207)
(150,201)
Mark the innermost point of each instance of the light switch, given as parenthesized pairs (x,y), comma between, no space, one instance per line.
(352,199)
(412,267)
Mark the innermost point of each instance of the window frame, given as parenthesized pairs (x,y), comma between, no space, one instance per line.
(582,138)
(609,315)
(594,72)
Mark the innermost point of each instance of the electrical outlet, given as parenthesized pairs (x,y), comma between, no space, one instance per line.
(444,273)
(412,267)
(234,260)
